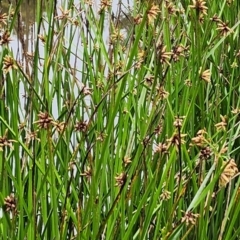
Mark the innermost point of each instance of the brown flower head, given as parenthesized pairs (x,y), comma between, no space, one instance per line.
(9,64)
(64,14)
(178,122)
(117,36)
(5,38)
(59,126)
(223,28)
(176,140)
(205,153)
(149,79)
(161,148)
(138,19)
(120,179)
(152,13)
(221,126)
(86,90)
(164,56)
(216,19)
(158,129)
(200,140)
(104,5)
(177,52)
(31,136)
(230,170)
(81,126)
(206,75)
(140,58)
(87,173)
(101,136)
(42,38)
(45,121)
(235,111)
(5,142)
(127,160)
(188,82)
(190,218)
(10,203)
(166,195)
(171,8)
(162,93)
(200,6)
(3,18)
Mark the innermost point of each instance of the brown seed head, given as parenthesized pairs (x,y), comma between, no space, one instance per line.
(81,126)
(230,170)
(190,218)
(152,13)
(5,142)
(5,39)
(205,153)
(45,121)
(10,203)
(120,179)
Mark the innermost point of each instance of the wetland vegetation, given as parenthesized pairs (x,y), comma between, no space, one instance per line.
(120,120)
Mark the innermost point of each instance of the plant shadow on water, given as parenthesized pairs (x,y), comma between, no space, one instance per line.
(119,120)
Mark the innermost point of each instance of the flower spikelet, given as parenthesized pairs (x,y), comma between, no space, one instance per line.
(230,170)
(152,13)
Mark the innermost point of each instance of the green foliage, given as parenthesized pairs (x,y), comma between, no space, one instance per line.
(122,125)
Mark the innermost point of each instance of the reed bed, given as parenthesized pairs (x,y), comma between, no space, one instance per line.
(123,123)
